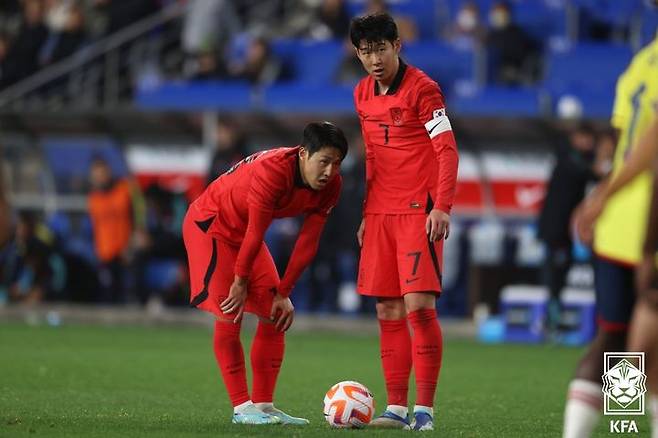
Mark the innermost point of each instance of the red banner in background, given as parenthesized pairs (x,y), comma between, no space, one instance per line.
(178,169)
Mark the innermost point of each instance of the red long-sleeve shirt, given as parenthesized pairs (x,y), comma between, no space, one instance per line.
(258,189)
(411,153)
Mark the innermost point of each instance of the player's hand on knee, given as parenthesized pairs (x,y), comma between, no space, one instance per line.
(283,313)
(437,225)
(235,301)
(359,233)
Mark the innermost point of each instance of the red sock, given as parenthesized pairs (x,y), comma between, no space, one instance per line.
(230,358)
(395,349)
(427,352)
(266,357)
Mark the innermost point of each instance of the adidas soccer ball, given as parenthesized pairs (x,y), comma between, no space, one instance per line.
(348,404)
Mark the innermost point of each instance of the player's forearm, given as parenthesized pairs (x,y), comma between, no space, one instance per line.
(642,157)
(305,249)
(259,220)
(448,161)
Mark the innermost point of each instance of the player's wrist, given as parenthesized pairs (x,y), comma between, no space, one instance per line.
(240,280)
(443,208)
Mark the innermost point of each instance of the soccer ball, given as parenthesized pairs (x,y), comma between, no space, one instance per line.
(348,404)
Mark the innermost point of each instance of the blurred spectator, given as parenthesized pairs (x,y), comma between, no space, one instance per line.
(122,13)
(114,217)
(206,64)
(334,265)
(230,147)
(260,66)
(9,16)
(573,170)
(162,241)
(42,272)
(8,253)
(407,29)
(514,55)
(67,34)
(332,21)
(23,53)
(208,27)
(350,71)
(467,30)
(605,151)
(276,18)
(4,49)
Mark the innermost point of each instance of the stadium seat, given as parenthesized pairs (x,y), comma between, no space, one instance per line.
(424,13)
(443,62)
(296,98)
(594,103)
(588,72)
(589,66)
(162,274)
(196,95)
(309,62)
(59,223)
(613,12)
(542,19)
(649,26)
(493,101)
(69,159)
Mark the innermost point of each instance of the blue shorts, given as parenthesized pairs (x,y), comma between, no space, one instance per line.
(615,294)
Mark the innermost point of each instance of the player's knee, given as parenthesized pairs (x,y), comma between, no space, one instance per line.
(612,338)
(390,309)
(648,300)
(419,301)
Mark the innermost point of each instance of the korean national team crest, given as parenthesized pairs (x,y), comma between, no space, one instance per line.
(396,115)
(624,383)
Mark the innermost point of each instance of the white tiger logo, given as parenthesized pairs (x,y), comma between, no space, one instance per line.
(624,383)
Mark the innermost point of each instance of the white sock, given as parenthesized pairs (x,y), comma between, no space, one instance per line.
(583,408)
(241,407)
(400,411)
(265,407)
(426,409)
(653,411)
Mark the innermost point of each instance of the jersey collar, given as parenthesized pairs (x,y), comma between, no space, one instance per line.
(397,80)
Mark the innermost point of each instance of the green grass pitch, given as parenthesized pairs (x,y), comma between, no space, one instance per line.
(79,381)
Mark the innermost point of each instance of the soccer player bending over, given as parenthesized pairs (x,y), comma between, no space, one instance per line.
(411,173)
(232,271)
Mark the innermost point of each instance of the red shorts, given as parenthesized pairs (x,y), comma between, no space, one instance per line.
(397,257)
(212,265)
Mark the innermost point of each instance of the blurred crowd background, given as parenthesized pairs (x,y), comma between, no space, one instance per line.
(115,114)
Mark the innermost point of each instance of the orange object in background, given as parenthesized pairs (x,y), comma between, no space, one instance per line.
(111,216)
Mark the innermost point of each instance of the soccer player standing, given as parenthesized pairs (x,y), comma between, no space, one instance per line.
(411,173)
(232,271)
(619,237)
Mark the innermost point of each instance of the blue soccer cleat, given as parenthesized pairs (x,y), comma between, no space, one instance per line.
(422,421)
(285,418)
(254,416)
(389,420)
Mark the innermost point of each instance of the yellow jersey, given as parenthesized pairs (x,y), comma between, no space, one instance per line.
(621,228)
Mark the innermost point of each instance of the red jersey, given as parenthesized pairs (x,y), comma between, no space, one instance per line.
(411,154)
(264,186)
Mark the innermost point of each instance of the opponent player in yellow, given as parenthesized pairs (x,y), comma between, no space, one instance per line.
(619,240)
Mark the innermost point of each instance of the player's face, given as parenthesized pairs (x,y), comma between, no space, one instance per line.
(318,169)
(380,60)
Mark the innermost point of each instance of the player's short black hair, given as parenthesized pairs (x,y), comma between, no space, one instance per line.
(318,135)
(373,29)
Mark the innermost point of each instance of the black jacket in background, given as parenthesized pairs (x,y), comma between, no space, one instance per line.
(566,188)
